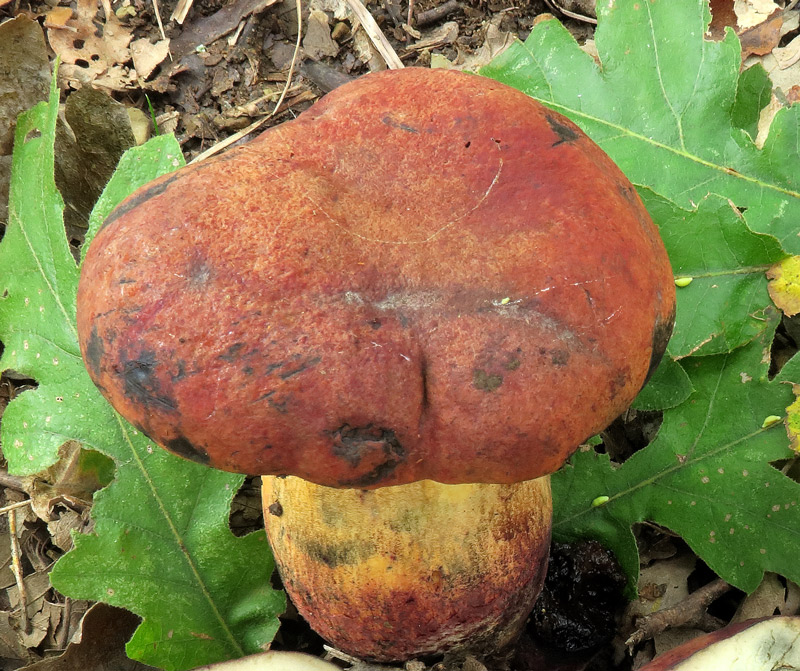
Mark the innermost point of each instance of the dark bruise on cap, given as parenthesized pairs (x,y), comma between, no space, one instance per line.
(662,332)
(184,448)
(565,133)
(355,444)
(95,352)
(139,197)
(141,384)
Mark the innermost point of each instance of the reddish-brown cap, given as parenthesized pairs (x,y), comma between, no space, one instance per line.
(426,275)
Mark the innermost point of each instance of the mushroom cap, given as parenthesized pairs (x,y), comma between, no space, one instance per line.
(427,275)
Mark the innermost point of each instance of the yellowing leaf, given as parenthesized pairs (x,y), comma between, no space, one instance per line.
(784,286)
(793,420)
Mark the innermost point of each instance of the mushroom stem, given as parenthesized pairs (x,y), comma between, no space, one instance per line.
(411,570)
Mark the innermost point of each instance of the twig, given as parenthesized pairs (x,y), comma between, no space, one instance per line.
(16,567)
(181,10)
(572,15)
(11,482)
(355,663)
(257,124)
(14,506)
(299,9)
(158,20)
(437,13)
(223,144)
(63,635)
(691,608)
(375,34)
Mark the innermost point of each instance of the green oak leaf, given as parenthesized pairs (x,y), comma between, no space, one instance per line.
(669,106)
(725,304)
(668,387)
(707,476)
(161,546)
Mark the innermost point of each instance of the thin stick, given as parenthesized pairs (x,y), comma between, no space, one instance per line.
(181,10)
(16,566)
(158,20)
(437,13)
(11,482)
(573,15)
(257,124)
(375,35)
(299,9)
(687,610)
(14,506)
(66,616)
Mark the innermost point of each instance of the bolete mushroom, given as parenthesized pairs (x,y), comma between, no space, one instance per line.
(419,297)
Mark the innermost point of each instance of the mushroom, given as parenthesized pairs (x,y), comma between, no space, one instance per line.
(417,298)
(764,644)
(274,660)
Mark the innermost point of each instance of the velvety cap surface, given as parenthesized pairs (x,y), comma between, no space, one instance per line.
(426,275)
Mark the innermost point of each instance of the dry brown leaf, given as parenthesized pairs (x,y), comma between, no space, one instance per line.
(750,13)
(762,38)
(147,56)
(100,645)
(207,29)
(68,482)
(6,573)
(722,16)
(41,624)
(317,40)
(91,58)
(447,33)
(494,44)
(58,16)
(789,55)
(11,648)
(793,95)
(62,527)
(768,599)
(662,585)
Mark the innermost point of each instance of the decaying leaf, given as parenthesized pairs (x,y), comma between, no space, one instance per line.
(99,644)
(147,56)
(773,596)
(763,37)
(24,77)
(752,12)
(793,420)
(784,285)
(91,58)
